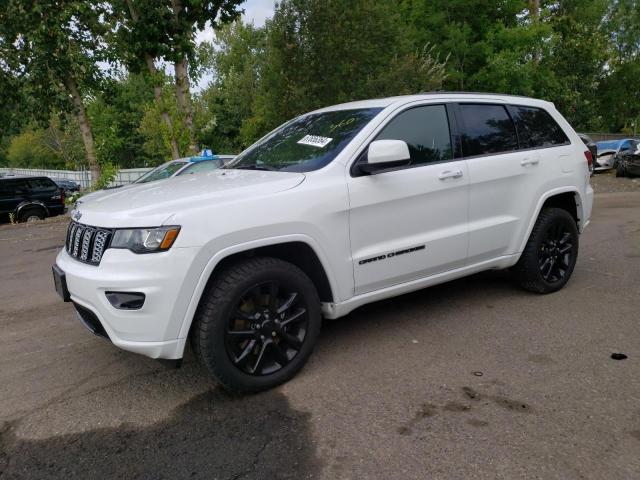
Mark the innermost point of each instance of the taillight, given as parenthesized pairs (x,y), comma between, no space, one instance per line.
(589,156)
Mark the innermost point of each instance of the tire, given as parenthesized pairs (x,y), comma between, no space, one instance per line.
(620,170)
(31,215)
(548,259)
(248,353)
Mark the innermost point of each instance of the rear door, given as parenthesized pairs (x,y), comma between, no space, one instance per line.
(410,222)
(512,152)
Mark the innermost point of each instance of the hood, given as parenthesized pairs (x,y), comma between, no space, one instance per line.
(606,152)
(151,204)
(104,192)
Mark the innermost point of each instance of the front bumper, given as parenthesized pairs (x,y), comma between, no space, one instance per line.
(153,330)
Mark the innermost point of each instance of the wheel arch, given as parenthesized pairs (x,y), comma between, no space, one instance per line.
(299,250)
(566,198)
(31,204)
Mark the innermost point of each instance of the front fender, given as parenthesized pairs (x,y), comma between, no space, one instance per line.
(223,253)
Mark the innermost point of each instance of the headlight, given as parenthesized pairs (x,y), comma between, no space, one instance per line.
(145,240)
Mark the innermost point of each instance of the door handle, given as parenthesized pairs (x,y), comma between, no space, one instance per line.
(450,174)
(529,161)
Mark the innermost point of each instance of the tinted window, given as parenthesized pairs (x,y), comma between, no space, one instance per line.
(16,185)
(41,185)
(160,173)
(203,166)
(426,131)
(6,187)
(487,129)
(537,129)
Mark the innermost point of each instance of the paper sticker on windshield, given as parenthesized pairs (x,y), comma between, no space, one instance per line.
(315,141)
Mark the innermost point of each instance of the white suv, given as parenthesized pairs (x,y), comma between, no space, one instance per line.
(337,208)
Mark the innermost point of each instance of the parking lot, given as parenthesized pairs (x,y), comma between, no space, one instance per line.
(470,379)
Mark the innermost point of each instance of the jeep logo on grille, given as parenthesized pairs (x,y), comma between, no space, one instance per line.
(76,215)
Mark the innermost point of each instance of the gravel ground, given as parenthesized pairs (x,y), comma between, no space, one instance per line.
(606,182)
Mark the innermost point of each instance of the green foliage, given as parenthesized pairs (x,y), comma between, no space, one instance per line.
(319,53)
(29,149)
(107,175)
(583,55)
(116,115)
(222,109)
(156,136)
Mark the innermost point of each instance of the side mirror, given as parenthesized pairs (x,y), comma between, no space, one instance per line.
(384,154)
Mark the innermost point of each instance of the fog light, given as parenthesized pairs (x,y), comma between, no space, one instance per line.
(126,300)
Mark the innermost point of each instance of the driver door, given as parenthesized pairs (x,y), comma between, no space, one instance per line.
(410,222)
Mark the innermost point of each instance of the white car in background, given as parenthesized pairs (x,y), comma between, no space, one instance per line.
(184,166)
(173,168)
(335,209)
(610,150)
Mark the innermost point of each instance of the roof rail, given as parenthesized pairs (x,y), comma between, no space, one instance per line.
(440,92)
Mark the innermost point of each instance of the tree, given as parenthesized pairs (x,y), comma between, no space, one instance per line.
(460,29)
(54,46)
(323,52)
(137,38)
(189,15)
(144,31)
(223,107)
(116,114)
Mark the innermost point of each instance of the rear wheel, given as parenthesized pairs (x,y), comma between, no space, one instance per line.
(31,215)
(257,324)
(548,260)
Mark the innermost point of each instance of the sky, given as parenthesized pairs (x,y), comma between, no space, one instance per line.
(256,11)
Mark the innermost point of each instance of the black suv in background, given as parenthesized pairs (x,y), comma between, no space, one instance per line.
(30,198)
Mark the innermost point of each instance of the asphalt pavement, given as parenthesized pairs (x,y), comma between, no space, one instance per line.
(471,379)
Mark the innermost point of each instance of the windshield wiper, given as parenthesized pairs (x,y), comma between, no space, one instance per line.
(256,167)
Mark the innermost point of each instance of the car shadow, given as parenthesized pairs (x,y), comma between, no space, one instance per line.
(213,435)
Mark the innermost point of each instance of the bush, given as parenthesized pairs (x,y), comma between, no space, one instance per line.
(108,175)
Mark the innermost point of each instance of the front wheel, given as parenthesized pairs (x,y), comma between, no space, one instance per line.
(257,324)
(548,259)
(620,170)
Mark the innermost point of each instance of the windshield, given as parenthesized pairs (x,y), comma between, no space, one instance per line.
(163,171)
(612,145)
(306,143)
(202,166)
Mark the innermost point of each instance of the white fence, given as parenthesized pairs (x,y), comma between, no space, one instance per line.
(82,177)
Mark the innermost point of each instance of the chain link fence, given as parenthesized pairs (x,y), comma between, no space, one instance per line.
(81,177)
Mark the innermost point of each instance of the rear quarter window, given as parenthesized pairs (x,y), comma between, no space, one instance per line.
(41,185)
(536,128)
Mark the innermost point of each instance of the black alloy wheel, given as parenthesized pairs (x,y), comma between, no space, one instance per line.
(267,329)
(550,255)
(257,324)
(556,251)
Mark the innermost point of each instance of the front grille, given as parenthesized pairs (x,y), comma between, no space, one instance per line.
(87,244)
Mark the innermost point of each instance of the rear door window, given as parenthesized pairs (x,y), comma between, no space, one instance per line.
(486,129)
(536,128)
(426,131)
(38,185)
